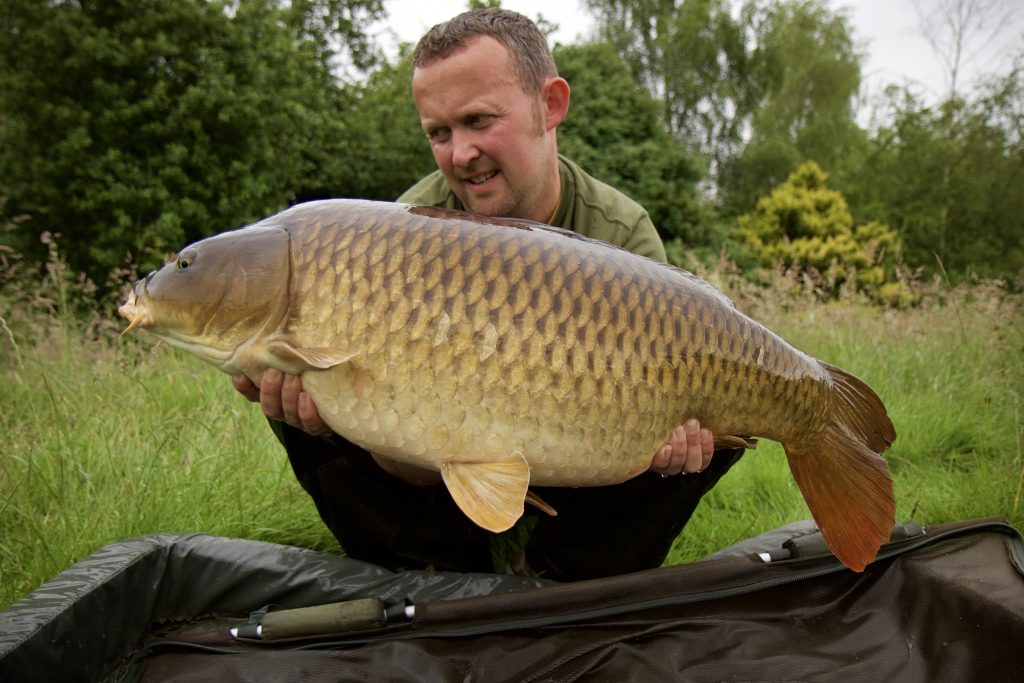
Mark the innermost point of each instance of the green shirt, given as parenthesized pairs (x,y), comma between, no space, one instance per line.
(587,206)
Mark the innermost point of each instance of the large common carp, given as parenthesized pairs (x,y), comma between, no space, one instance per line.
(505,353)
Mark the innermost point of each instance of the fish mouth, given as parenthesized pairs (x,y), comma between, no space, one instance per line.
(136,311)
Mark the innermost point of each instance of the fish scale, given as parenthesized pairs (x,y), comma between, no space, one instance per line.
(505,354)
(598,366)
(460,354)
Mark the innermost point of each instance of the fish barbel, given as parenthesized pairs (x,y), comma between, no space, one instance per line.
(505,353)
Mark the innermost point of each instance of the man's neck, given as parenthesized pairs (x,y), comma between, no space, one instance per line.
(549,209)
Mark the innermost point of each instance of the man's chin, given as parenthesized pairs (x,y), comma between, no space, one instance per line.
(492,206)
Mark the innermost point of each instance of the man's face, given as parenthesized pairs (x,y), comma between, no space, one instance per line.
(489,138)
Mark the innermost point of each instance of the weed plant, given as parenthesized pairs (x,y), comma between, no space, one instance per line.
(106,438)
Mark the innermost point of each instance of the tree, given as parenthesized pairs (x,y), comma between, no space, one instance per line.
(614,132)
(954,28)
(136,127)
(691,56)
(379,149)
(953,199)
(808,75)
(958,29)
(755,91)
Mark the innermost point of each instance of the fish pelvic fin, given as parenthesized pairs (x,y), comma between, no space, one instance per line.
(843,476)
(492,494)
(536,501)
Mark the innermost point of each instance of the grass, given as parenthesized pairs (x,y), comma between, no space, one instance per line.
(105,443)
(106,438)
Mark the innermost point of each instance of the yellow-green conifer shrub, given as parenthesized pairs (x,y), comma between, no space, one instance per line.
(805,225)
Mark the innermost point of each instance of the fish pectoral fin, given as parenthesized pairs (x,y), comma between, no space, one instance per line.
(492,494)
(302,358)
(729,441)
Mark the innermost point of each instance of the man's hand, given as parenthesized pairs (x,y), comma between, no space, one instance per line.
(688,450)
(281,398)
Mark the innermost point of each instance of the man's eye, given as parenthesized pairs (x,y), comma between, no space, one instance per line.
(437,134)
(479,121)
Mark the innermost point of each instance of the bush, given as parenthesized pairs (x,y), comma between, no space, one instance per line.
(805,226)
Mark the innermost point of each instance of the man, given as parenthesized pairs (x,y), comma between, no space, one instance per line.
(490,100)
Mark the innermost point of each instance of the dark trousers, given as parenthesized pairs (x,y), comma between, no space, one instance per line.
(599,531)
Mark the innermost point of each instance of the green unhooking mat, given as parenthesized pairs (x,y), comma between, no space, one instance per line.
(944,602)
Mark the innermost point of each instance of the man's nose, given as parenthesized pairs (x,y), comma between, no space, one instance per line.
(464,149)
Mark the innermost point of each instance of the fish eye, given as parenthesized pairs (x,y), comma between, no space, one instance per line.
(184,261)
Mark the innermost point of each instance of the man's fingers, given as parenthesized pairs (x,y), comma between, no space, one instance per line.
(662,459)
(693,455)
(281,398)
(291,387)
(310,418)
(707,447)
(270,394)
(246,387)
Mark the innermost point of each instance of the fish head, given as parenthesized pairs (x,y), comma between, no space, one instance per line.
(216,296)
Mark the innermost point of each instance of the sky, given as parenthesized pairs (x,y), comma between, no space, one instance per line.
(888,31)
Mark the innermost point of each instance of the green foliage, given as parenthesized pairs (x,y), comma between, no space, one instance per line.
(754,87)
(335,27)
(128,129)
(381,150)
(614,132)
(759,87)
(807,74)
(691,56)
(132,128)
(948,179)
(806,226)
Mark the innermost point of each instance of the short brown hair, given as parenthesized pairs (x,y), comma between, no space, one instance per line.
(522,38)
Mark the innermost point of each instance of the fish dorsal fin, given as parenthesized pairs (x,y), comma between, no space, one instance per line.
(300,358)
(489,493)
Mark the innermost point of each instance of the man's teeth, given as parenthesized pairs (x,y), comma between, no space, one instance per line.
(476,180)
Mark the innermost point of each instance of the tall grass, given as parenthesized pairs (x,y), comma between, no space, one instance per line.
(106,438)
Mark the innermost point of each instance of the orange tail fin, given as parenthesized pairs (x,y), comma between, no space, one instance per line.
(844,478)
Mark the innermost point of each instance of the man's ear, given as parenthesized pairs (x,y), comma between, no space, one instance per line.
(555,96)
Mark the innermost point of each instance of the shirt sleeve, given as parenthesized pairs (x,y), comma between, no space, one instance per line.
(645,240)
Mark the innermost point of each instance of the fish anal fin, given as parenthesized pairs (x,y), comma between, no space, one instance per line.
(296,359)
(843,476)
(729,441)
(491,494)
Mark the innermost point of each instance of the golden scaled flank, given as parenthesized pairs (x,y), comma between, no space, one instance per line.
(571,342)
